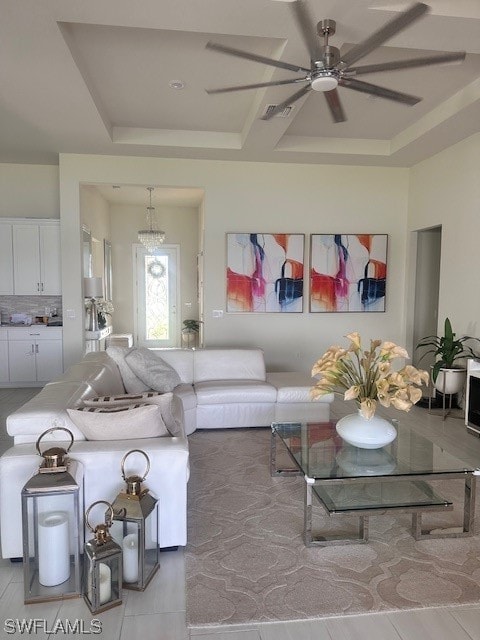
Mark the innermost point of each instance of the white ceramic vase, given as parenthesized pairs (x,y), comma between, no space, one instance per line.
(372,433)
(365,462)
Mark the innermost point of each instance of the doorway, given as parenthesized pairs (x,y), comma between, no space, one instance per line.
(427,285)
(156,294)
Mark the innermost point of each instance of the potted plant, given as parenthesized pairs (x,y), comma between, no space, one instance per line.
(190,330)
(447,375)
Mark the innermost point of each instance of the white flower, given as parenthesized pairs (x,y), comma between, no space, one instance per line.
(105,306)
(366,376)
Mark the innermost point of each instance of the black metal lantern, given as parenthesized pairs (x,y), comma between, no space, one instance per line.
(102,565)
(51,517)
(135,515)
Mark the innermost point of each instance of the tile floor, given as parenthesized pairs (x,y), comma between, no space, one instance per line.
(159,612)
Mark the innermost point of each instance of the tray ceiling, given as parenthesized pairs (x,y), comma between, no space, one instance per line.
(95,77)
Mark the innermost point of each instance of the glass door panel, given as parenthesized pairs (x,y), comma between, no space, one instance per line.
(156,278)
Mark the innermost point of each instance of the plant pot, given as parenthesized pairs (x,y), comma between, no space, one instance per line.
(189,337)
(450,381)
(372,433)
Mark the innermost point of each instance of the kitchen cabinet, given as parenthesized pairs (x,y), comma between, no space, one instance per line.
(36,258)
(4,377)
(6,259)
(35,354)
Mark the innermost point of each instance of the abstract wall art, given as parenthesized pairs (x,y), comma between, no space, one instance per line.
(348,272)
(265,272)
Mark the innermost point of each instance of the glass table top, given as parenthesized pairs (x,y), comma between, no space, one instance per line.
(320,453)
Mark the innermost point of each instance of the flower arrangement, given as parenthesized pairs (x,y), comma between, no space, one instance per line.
(367,377)
(104,308)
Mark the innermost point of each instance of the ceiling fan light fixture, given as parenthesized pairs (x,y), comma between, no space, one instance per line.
(324,83)
(151,238)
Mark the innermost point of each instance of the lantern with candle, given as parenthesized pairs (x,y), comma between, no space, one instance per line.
(51,516)
(102,565)
(135,525)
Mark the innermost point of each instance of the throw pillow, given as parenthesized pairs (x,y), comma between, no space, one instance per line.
(163,400)
(152,370)
(131,383)
(126,422)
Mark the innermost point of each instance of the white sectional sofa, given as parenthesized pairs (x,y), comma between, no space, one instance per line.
(219,388)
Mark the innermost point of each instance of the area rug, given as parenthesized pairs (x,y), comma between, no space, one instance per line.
(246,561)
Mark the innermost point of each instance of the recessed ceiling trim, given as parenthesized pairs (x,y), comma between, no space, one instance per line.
(352,146)
(177,138)
(447,109)
(64,28)
(447,8)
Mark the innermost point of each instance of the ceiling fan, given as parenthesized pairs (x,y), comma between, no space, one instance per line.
(329,69)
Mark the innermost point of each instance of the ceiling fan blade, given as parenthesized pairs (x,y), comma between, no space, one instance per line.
(375,90)
(335,106)
(306,25)
(407,64)
(258,85)
(385,33)
(286,103)
(239,53)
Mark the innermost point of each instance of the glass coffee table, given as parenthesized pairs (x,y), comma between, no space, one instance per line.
(347,480)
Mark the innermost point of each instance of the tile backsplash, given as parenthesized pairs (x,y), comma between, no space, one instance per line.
(32,305)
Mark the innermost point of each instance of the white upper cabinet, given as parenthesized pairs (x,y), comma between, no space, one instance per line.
(36,258)
(6,260)
(50,274)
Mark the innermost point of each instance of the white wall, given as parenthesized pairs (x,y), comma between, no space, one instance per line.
(29,191)
(181,227)
(445,190)
(258,197)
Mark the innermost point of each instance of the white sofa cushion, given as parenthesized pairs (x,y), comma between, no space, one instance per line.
(124,422)
(234,392)
(131,382)
(181,360)
(165,401)
(229,364)
(152,370)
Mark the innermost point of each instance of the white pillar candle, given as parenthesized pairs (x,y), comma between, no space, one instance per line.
(53,548)
(130,558)
(105,579)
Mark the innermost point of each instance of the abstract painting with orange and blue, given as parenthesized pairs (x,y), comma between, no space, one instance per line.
(348,272)
(265,272)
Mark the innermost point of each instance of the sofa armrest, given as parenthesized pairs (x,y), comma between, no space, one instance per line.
(48,408)
(101,461)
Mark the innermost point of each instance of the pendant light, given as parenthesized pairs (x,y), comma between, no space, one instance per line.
(151,238)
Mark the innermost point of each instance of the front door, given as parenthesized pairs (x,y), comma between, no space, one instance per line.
(156,297)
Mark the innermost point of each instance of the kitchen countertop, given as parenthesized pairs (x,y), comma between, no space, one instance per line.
(8,325)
